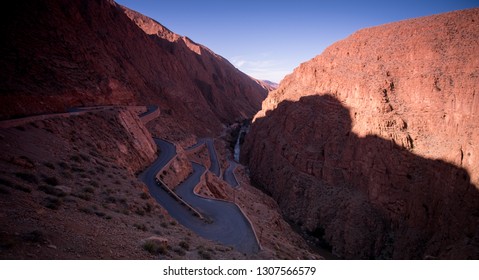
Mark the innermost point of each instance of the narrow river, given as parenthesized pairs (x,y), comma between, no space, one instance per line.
(241,134)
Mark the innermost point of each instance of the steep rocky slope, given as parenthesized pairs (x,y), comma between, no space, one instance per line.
(58,54)
(69,190)
(372,145)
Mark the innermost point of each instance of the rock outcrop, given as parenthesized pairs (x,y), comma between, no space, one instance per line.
(372,145)
(59,54)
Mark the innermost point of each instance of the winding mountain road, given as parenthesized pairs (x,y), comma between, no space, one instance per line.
(226,222)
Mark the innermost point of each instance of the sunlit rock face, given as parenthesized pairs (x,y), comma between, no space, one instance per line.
(372,146)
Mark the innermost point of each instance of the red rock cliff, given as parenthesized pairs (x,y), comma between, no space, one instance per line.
(373,145)
(57,54)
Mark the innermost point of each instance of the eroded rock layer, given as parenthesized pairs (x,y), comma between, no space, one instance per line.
(372,145)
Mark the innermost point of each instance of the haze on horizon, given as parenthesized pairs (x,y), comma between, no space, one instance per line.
(268,39)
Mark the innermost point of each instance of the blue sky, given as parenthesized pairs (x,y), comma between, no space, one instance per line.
(267,39)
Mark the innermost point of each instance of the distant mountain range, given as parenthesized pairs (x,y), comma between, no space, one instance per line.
(268,85)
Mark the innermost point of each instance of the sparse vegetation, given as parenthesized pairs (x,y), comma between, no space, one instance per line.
(76,168)
(75,158)
(100,214)
(52,203)
(185,245)
(49,165)
(88,190)
(63,165)
(23,188)
(52,181)
(100,169)
(12,185)
(87,210)
(155,248)
(84,196)
(148,207)
(140,227)
(27,177)
(140,212)
(34,236)
(52,190)
(179,251)
(110,199)
(66,175)
(85,157)
(204,254)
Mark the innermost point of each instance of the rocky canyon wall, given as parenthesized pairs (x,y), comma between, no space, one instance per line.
(372,145)
(58,54)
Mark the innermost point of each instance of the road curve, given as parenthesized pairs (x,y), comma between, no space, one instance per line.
(227,223)
(215,165)
(229,175)
(148,176)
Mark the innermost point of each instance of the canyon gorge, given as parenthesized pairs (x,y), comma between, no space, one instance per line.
(86,85)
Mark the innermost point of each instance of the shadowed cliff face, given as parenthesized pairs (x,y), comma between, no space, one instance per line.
(387,167)
(414,82)
(366,196)
(62,53)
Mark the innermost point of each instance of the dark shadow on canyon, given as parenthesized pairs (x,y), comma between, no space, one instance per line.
(366,197)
